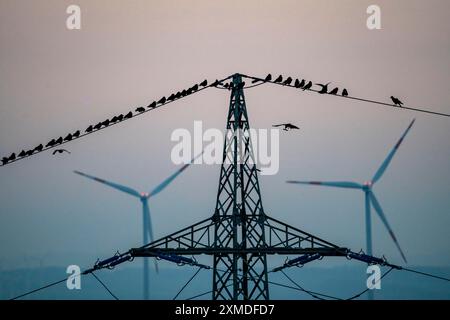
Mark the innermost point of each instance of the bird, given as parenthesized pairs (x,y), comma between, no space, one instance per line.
(5,160)
(22,153)
(302,83)
(307,86)
(76,134)
(12,157)
(113,119)
(140,109)
(189,91)
(89,129)
(297,83)
(98,126)
(60,151)
(288,81)
(396,101)
(171,97)
(152,105)
(287,126)
(59,140)
(345,93)
(50,143)
(334,91)
(68,137)
(268,78)
(120,117)
(226,86)
(105,123)
(29,152)
(324,88)
(162,100)
(128,115)
(39,148)
(214,84)
(279,79)
(178,95)
(204,83)
(195,87)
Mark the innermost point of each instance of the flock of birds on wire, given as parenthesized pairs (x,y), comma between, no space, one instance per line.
(289,81)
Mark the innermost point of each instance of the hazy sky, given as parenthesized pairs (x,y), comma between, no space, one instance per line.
(54,81)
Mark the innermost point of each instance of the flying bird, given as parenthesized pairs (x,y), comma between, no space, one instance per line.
(287,126)
(140,109)
(396,101)
(307,86)
(268,78)
(324,88)
(279,79)
(89,129)
(334,91)
(204,83)
(288,81)
(50,143)
(345,93)
(60,151)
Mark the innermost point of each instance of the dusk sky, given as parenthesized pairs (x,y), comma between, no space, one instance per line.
(54,81)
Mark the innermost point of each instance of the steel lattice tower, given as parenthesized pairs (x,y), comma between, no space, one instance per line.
(239,235)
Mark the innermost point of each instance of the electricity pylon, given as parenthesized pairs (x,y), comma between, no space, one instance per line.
(239,235)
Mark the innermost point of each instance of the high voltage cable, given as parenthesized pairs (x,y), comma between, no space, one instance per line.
(187,283)
(362,292)
(104,286)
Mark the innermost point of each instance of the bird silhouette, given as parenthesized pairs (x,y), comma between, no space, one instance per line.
(195,87)
(50,143)
(334,91)
(396,101)
(140,109)
(268,78)
(288,81)
(345,93)
(22,153)
(68,137)
(171,97)
(214,84)
(98,126)
(324,88)
(302,83)
(5,160)
(178,95)
(279,79)
(287,126)
(29,152)
(60,151)
(307,86)
(162,100)
(204,83)
(113,119)
(189,91)
(226,86)
(105,123)
(120,117)
(12,157)
(89,129)
(128,115)
(39,148)
(76,134)
(59,141)
(152,105)
(297,83)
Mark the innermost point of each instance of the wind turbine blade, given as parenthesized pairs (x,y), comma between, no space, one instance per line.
(338,184)
(166,182)
(379,210)
(149,228)
(386,162)
(111,184)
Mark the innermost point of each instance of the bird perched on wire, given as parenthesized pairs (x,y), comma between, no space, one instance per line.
(268,78)
(152,105)
(51,143)
(5,160)
(162,100)
(204,83)
(68,137)
(39,148)
(324,88)
(140,109)
(279,79)
(60,151)
(76,134)
(307,86)
(334,91)
(288,81)
(396,101)
(287,126)
(345,93)
(128,115)
(89,129)
(22,153)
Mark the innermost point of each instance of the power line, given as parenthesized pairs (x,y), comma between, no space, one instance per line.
(355,98)
(186,284)
(362,292)
(134,115)
(311,293)
(39,289)
(426,274)
(104,286)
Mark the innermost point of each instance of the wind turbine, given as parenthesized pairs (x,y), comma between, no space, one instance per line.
(369,195)
(146,217)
